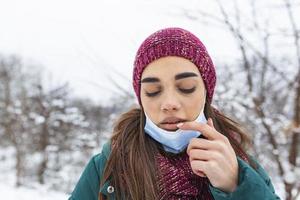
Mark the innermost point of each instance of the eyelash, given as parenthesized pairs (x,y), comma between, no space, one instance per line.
(186,91)
(152,94)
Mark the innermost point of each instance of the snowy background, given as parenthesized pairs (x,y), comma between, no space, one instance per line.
(73,60)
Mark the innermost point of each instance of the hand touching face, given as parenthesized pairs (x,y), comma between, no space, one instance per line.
(213,157)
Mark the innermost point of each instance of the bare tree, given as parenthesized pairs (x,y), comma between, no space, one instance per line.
(10,114)
(270,96)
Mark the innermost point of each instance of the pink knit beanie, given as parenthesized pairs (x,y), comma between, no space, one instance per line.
(174,42)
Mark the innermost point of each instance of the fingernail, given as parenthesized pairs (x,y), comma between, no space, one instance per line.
(180,124)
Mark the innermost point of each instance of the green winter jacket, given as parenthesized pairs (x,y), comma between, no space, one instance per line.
(252,185)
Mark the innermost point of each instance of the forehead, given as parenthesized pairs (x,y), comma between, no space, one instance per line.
(169,66)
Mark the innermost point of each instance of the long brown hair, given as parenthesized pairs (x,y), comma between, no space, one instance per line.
(131,164)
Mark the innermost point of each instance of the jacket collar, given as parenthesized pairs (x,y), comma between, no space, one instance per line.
(107,189)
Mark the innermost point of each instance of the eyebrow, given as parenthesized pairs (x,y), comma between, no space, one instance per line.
(185,75)
(150,80)
(177,77)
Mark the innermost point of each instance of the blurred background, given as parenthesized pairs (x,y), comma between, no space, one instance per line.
(65,76)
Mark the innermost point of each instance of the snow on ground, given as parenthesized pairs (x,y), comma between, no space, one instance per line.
(9,192)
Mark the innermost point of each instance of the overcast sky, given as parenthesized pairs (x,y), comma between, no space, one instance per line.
(80,41)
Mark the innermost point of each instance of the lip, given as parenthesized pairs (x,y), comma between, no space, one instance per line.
(169,127)
(172,120)
(170,123)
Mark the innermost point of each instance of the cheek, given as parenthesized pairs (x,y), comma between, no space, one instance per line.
(193,106)
(150,107)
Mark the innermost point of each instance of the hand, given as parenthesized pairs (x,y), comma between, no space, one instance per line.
(213,157)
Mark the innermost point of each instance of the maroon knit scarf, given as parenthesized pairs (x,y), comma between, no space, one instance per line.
(176,179)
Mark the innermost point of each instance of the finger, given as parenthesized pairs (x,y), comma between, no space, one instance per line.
(199,143)
(209,132)
(199,154)
(199,167)
(200,173)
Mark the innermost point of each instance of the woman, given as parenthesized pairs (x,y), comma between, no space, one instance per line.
(175,145)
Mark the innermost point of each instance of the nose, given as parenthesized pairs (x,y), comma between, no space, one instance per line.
(170,103)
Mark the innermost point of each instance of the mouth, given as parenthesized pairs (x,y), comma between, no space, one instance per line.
(170,123)
(169,127)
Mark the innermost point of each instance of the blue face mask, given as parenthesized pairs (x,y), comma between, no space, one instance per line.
(173,141)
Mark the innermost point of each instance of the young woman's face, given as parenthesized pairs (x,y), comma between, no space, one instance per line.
(172,91)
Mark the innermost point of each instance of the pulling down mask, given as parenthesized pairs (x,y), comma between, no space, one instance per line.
(173,141)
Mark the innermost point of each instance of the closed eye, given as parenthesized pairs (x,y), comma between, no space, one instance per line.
(152,94)
(187,91)
(183,90)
